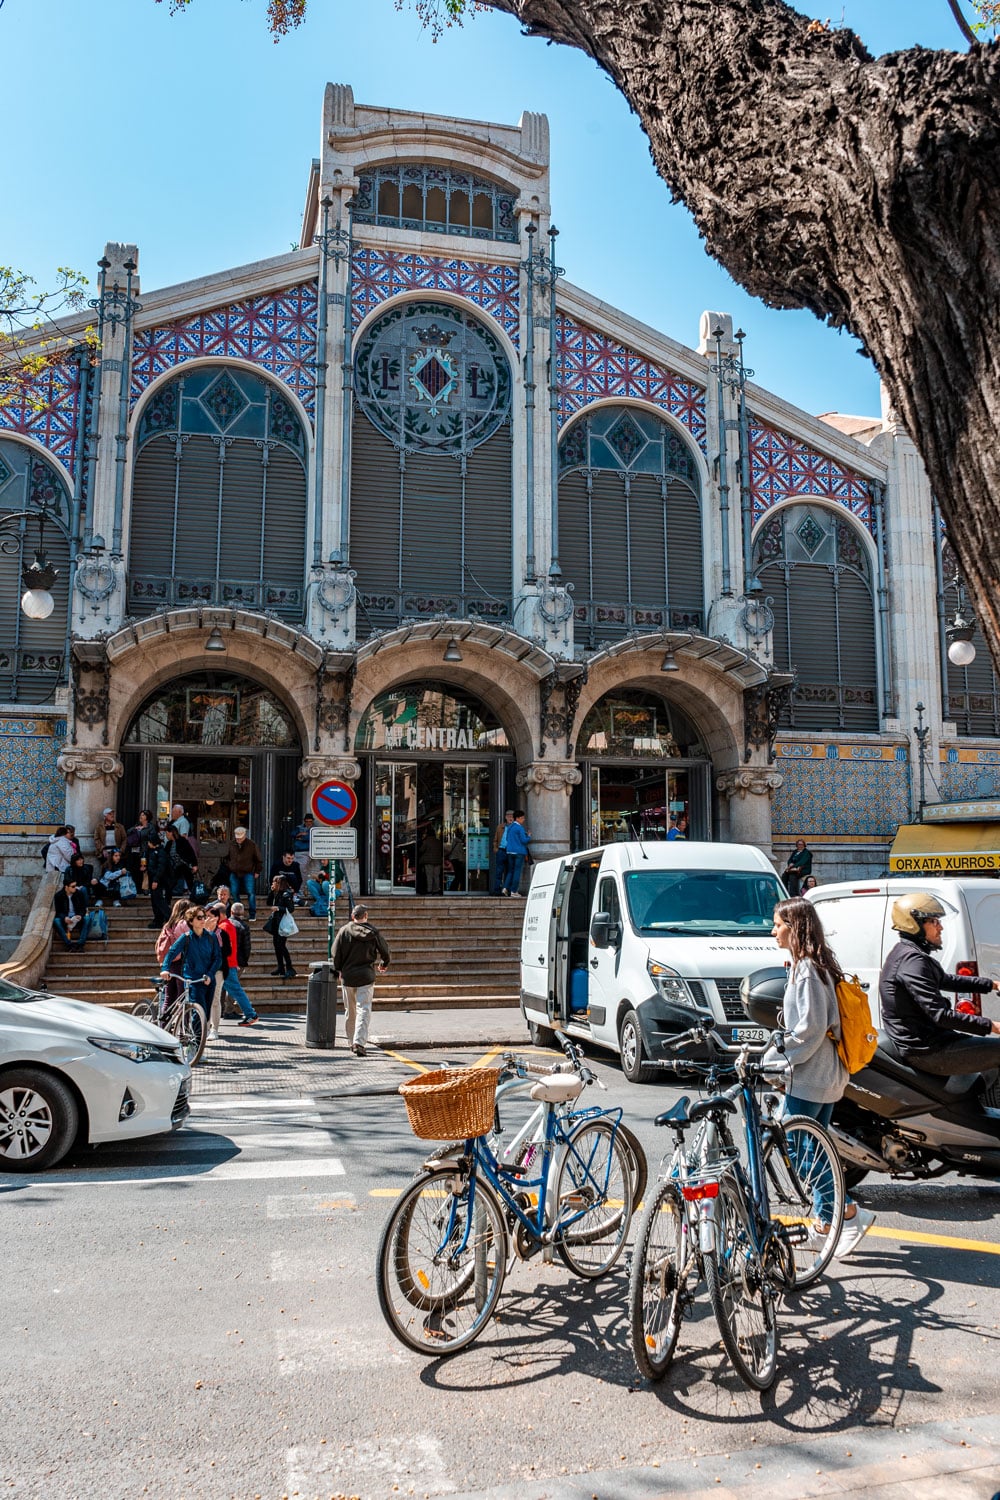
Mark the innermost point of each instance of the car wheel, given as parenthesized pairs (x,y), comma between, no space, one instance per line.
(38,1120)
(542,1036)
(634,1065)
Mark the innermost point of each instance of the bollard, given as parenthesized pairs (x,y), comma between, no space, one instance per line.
(321,1006)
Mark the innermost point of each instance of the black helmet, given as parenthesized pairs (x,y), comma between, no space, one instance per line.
(763,994)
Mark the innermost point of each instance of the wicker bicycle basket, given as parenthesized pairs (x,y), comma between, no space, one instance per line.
(451,1104)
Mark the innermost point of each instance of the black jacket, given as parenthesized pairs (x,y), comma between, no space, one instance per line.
(291,872)
(64,903)
(356,948)
(915,1013)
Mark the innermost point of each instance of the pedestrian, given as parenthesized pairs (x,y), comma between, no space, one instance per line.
(136,841)
(60,851)
(518,839)
(244,941)
(225,895)
(83,873)
(300,844)
(809,884)
(678,827)
(71,919)
(200,957)
(812,1025)
(182,862)
(172,929)
(158,872)
(245,864)
(281,916)
(116,882)
(430,858)
(358,950)
(799,865)
(179,820)
(500,852)
(109,834)
(318,891)
(71,835)
(458,855)
(287,867)
(230,970)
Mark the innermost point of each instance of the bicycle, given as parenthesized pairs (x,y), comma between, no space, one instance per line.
(712,1217)
(183,1017)
(443,1254)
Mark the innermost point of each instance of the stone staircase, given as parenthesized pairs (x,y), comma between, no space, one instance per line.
(446,951)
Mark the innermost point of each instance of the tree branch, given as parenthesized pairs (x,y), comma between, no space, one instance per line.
(963,25)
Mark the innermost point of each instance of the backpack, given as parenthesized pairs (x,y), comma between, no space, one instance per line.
(242,943)
(858,1038)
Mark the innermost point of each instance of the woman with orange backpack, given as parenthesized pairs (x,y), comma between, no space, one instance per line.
(813,1028)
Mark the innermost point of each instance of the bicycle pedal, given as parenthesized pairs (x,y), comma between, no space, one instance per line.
(797,1234)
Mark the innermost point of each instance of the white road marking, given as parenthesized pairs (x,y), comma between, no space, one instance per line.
(407,1461)
(226,1171)
(239,1102)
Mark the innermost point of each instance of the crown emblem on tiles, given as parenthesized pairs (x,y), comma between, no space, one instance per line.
(436,337)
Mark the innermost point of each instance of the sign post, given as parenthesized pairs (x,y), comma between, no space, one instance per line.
(333,804)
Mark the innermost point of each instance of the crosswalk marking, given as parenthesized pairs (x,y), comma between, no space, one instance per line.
(236,1170)
(240,1102)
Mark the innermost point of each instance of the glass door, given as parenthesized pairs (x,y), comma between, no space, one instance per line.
(466,828)
(394,857)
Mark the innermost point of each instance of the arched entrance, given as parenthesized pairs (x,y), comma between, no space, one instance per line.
(436,765)
(646,772)
(227,749)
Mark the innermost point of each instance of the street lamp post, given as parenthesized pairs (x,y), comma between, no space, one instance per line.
(38,577)
(921,732)
(961,651)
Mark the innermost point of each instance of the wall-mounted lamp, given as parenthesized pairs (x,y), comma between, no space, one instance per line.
(452,652)
(961,651)
(215,641)
(37,602)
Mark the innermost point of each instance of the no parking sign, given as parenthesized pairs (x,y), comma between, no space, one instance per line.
(333,803)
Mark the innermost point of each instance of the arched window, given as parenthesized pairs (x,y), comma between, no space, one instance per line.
(219,497)
(431,468)
(416,196)
(629,526)
(32,652)
(973,691)
(216,710)
(814,568)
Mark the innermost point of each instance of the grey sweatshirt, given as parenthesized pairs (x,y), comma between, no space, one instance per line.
(810,1009)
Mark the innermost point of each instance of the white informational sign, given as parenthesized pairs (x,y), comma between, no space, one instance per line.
(333,843)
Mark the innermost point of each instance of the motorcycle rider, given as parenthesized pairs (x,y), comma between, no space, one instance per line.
(917,1017)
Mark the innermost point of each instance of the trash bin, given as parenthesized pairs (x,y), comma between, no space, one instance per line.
(321,1006)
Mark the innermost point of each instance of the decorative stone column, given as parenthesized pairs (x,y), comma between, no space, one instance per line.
(749,790)
(548,785)
(91,785)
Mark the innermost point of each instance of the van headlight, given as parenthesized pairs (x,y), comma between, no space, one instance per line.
(669,983)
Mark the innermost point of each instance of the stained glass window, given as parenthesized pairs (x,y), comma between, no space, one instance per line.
(415,196)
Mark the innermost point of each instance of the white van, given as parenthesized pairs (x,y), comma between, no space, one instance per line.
(857,919)
(629,944)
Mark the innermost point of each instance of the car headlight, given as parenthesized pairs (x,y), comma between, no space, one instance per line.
(138,1052)
(669,983)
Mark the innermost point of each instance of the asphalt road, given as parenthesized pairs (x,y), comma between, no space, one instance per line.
(196,1316)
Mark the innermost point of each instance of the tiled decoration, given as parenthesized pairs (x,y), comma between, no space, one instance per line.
(53,418)
(968,771)
(276,331)
(32,790)
(380,274)
(783,467)
(846,791)
(593,367)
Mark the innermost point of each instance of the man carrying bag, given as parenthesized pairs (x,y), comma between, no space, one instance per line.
(358,949)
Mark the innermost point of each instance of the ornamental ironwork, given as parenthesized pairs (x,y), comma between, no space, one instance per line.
(435,198)
(763,707)
(431,377)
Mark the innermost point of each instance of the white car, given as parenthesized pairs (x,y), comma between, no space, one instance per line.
(74,1073)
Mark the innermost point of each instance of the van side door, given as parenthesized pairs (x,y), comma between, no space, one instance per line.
(604,963)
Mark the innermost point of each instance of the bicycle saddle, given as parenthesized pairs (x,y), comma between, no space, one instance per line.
(559,1089)
(715,1105)
(676,1114)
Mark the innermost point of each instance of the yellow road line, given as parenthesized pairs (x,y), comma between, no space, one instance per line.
(946,1241)
(488,1057)
(417,1067)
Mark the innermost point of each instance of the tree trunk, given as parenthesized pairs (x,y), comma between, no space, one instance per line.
(866,189)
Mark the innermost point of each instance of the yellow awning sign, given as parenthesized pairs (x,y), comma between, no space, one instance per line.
(945,849)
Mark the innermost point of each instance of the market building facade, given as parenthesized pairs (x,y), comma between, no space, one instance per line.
(405,507)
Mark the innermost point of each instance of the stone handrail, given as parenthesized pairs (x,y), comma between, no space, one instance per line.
(26,964)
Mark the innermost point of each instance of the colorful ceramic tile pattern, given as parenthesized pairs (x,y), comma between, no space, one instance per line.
(593,367)
(782,466)
(276,332)
(845,797)
(958,782)
(32,790)
(378,275)
(51,417)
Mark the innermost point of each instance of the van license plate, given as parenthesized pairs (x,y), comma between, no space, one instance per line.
(751,1034)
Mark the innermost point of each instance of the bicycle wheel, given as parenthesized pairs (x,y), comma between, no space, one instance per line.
(656,1284)
(741,1294)
(441,1265)
(147,1010)
(805,1185)
(593,1199)
(638,1165)
(187,1023)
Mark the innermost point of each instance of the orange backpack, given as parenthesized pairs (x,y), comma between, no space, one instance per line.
(858,1038)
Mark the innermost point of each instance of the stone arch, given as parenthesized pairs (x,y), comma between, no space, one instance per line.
(834,507)
(216,361)
(667,418)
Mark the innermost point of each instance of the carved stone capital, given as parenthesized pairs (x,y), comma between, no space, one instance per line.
(90,765)
(757,781)
(550,776)
(317,768)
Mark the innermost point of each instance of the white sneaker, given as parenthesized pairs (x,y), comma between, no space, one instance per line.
(853,1232)
(213,1035)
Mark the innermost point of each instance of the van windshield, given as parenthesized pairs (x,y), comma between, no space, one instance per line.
(706,903)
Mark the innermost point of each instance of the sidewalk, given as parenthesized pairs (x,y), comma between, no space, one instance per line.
(272,1057)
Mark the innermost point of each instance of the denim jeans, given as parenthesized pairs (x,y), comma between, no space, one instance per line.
(80,931)
(515,864)
(248,885)
(320,903)
(501,869)
(823,1194)
(232,987)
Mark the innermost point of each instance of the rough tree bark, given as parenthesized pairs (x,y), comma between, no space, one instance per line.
(866,189)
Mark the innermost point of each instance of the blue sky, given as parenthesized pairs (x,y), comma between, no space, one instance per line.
(192,136)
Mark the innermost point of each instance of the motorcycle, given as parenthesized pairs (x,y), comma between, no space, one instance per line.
(893,1118)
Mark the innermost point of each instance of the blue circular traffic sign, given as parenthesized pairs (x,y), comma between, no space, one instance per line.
(334,802)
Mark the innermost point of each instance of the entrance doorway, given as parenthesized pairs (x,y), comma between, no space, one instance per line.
(435,777)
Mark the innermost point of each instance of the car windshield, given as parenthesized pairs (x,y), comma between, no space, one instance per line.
(706,903)
(10,991)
